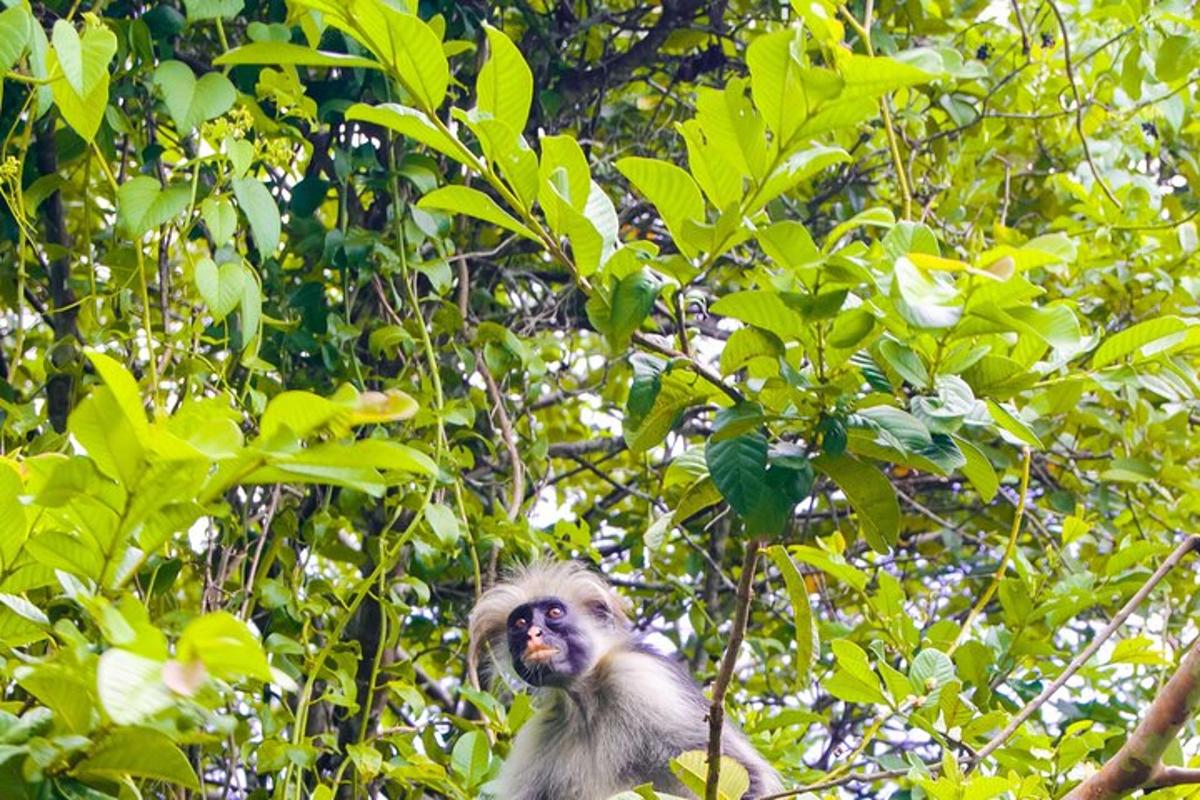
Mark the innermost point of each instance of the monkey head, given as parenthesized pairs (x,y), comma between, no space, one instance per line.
(548,623)
(547,645)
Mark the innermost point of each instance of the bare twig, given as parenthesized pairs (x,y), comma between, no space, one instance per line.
(507,436)
(716,711)
(1192,543)
(1087,153)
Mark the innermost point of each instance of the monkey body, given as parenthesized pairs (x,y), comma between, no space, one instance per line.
(612,711)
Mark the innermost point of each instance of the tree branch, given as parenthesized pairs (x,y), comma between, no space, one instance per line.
(1138,764)
(675,14)
(1192,543)
(716,712)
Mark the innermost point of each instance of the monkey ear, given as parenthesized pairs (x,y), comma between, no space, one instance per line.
(487,624)
(609,607)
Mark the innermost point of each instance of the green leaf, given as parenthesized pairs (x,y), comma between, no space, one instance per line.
(15,28)
(979,470)
(192,101)
(738,466)
(775,62)
(632,301)
(279,53)
(124,388)
(807,637)
(746,344)
(853,679)
(764,309)
(789,244)
(225,645)
(833,564)
(67,552)
(411,123)
(672,191)
(691,767)
(471,757)
(926,300)
(138,753)
(871,496)
(220,287)
(78,68)
(220,217)
(678,391)
(1145,339)
(259,207)
(444,524)
(473,203)
(14,523)
(1009,423)
(200,10)
(405,44)
(1176,57)
(930,671)
(875,76)
(131,687)
(143,204)
(504,88)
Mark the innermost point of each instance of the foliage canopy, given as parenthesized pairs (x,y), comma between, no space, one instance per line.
(317,313)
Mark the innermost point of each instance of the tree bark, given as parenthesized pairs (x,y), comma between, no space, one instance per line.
(1138,765)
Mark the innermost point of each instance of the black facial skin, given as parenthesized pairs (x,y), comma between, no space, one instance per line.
(546,623)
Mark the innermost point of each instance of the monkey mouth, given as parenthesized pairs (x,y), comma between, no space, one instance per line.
(539,654)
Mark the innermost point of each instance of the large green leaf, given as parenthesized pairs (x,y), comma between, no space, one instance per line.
(192,101)
(138,753)
(405,44)
(143,204)
(504,88)
(871,496)
(807,637)
(672,191)
(78,68)
(473,203)
(632,301)
(775,62)
(764,309)
(225,645)
(691,767)
(276,53)
(409,122)
(131,687)
(1144,339)
(15,28)
(259,207)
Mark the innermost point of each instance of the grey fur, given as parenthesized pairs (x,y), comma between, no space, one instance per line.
(620,723)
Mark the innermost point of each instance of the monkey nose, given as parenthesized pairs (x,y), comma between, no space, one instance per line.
(535,633)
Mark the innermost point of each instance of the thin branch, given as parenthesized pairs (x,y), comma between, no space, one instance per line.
(716,711)
(1087,153)
(1191,544)
(1018,516)
(696,366)
(507,437)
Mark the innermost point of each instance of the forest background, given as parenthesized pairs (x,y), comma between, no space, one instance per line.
(856,344)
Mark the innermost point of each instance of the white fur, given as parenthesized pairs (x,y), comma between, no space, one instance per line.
(619,724)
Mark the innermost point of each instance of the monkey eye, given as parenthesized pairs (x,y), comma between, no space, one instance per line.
(556,612)
(520,623)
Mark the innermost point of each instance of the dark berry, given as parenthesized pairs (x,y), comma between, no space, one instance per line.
(1047,39)
(984,52)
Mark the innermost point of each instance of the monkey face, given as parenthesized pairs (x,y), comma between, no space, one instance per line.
(548,647)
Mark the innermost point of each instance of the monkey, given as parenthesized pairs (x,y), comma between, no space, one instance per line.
(612,711)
